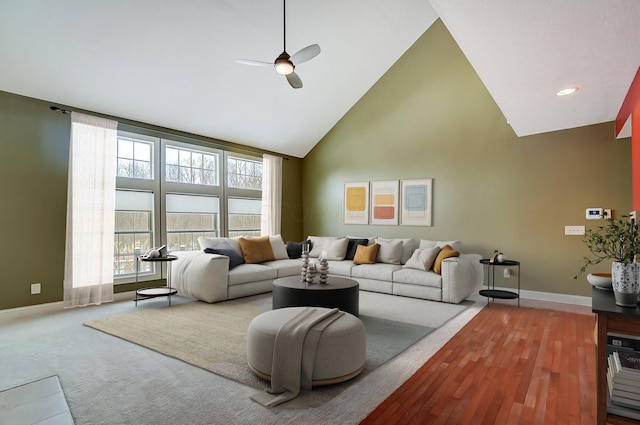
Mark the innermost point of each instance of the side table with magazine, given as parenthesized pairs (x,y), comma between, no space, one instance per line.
(156,291)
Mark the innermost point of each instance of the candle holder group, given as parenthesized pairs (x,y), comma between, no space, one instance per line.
(310,270)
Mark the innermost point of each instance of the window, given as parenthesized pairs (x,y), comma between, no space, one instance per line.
(189,217)
(172,191)
(134,158)
(244,174)
(244,217)
(133,231)
(191,166)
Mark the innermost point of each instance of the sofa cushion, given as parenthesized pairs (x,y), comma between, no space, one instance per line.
(256,250)
(445,252)
(378,271)
(340,268)
(425,243)
(246,273)
(417,277)
(284,268)
(366,254)
(278,247)
(390,251)
(224,248)
(294,249)
(208,242)
(319,244)
(422,259)
(352,246)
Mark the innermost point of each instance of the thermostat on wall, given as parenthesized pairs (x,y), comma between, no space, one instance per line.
(594,213)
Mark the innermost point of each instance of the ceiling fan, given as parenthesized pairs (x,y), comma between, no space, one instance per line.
(285,64)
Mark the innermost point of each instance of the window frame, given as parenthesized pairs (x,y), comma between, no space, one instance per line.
(144,185)
(161,188)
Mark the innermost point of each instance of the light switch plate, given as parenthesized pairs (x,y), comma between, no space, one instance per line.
(574,230)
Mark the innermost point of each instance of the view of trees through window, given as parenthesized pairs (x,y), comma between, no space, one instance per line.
(183,229)
(174,192)
(244,174)
(132,230)
(188,166)
(134,158)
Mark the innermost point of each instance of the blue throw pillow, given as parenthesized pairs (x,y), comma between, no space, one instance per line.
(223,248)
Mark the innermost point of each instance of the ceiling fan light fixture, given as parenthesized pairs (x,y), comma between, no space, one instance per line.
(567,91)
(283,66)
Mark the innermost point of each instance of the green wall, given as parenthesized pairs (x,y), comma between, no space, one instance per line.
(33,166)
(430,116)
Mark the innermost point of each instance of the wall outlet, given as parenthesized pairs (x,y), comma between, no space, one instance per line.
(35,288)
(507,272)
(574,230)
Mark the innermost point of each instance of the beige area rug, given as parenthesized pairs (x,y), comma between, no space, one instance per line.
(213,336)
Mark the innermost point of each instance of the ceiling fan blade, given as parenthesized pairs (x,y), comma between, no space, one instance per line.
(253,63)
(305,54)
(294,80)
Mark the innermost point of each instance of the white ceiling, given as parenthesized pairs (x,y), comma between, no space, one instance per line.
(172,63)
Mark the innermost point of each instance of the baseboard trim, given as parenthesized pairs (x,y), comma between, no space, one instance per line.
(58,305)
(552,297)
(126,296)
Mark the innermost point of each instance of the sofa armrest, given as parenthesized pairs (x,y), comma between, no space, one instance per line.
(461,277)
(199,275)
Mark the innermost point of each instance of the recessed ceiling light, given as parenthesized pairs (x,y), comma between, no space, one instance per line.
(567,91)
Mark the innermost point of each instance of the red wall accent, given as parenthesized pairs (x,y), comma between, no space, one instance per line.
(631,106)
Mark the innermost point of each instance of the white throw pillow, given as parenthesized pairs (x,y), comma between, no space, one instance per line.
(320,243)
(408,246)
(390,251)
(208,242)
(422,259)
(279,247)
(337,250)
(424,243)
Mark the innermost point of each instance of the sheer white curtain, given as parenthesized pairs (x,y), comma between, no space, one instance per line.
(88,272)
(271,194)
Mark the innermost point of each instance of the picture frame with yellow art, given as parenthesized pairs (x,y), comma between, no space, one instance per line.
(356,203)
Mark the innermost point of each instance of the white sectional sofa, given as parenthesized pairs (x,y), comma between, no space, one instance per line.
(399,271)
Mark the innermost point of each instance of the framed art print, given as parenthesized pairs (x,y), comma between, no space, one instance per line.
(356,203)
(384,202)
(416,202)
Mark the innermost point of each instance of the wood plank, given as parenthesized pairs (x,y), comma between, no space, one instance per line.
(532,365)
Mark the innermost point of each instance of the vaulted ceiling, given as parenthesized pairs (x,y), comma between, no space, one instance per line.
(172,64)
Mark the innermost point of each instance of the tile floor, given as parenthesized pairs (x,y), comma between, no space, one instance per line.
(40,402)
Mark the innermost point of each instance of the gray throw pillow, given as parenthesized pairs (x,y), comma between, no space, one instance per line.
(223,248)
(294,249)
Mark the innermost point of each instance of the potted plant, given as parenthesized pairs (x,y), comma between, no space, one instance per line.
(619,241)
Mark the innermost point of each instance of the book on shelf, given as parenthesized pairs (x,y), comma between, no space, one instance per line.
(626,364)
(623,384)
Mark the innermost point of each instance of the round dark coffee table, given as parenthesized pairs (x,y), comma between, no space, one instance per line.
(338,292)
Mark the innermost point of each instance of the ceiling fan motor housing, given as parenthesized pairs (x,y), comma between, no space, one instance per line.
(283,64)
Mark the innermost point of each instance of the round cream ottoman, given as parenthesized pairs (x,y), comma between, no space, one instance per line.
(340,354)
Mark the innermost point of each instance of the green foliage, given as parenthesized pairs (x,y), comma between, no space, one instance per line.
(618,240)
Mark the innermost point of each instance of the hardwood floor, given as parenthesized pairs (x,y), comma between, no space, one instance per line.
(532,365)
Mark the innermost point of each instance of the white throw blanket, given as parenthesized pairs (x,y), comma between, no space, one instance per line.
(294,355)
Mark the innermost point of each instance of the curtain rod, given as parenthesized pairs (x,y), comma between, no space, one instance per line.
(67,111)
